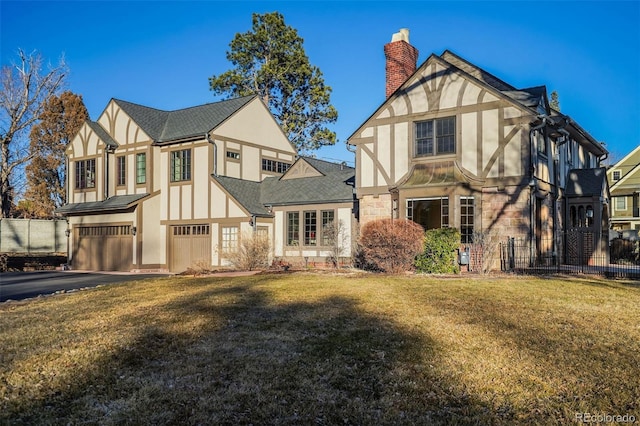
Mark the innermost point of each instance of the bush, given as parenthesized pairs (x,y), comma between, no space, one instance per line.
(439,256)
(391,245)
(252,252)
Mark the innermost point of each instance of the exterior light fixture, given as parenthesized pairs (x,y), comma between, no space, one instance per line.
(67,232)
(134,230)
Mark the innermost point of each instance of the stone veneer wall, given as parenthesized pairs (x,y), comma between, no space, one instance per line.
(507,212)
(372,208)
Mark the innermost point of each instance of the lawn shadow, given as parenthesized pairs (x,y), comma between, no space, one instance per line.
(252,359)
(579,363)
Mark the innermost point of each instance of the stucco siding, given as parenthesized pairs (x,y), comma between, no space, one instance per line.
(186,194)
(513,153)
(384,148)
(174,202)
(469,145)
(263,130)
(218,202)
(153,245)
(366,167)
(490,143)
(401,150)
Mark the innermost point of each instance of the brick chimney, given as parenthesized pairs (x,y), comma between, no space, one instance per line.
(401,60)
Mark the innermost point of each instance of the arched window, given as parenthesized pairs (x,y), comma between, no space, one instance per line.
(581,221)
(573,217)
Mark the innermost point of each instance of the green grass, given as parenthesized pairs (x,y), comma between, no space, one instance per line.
(323,349)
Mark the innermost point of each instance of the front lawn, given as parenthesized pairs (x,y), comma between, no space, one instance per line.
(323,349)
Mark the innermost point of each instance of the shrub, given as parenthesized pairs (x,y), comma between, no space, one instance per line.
(391,245)
(252,252)
(439,256)
(336,238)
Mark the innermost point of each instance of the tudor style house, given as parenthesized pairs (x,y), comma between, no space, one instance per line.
(624,180)
(453,145)
(168,190)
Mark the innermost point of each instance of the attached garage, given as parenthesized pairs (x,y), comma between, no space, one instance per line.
(189,245)
(103,248)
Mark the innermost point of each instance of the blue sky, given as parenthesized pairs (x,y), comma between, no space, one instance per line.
(161,53)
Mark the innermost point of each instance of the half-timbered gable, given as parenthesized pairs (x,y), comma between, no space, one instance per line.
(144,179)
(455,146)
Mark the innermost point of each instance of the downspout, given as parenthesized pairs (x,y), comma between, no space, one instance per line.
(215,153)
(108,150)
(556,166)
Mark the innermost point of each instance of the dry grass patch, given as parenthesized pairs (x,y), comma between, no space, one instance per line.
(326,349)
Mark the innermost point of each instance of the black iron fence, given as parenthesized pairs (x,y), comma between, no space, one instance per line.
(573,252)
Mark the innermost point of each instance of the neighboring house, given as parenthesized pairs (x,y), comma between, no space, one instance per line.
(624,181)
(168,190)
(453,145)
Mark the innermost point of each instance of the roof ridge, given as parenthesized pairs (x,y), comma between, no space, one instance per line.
(477,68)
(185,108)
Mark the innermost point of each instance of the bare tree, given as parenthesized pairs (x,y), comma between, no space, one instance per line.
(25,88)
(335,235)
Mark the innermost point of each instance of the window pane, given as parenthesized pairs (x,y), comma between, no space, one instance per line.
(328,233)
(431,214)
(91,173)
(121,163)
(293,223)
(229,238)
(467,207)
(181,165)
(141,168)
(424,138)
(80,174)
(446,141)
(310,228)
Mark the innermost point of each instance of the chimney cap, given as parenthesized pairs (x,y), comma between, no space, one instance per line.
(402,35)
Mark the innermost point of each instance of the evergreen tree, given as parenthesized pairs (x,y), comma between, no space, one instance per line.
(58,123)
(270,61)
(554,102)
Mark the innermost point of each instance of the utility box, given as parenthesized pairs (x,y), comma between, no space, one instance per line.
(463,256)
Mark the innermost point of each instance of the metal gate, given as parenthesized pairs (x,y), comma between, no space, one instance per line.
(103,248)
(189,246)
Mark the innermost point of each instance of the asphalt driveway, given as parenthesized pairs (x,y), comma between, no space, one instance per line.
(23,285)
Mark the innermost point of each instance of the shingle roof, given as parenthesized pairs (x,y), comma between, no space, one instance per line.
(102,134)
(335,185)
(115,203)
(529,97)
(246,192)
(475,71)
(586,182)
(165,126)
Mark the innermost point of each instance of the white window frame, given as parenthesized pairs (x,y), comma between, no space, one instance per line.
(229,242)
(616,205)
